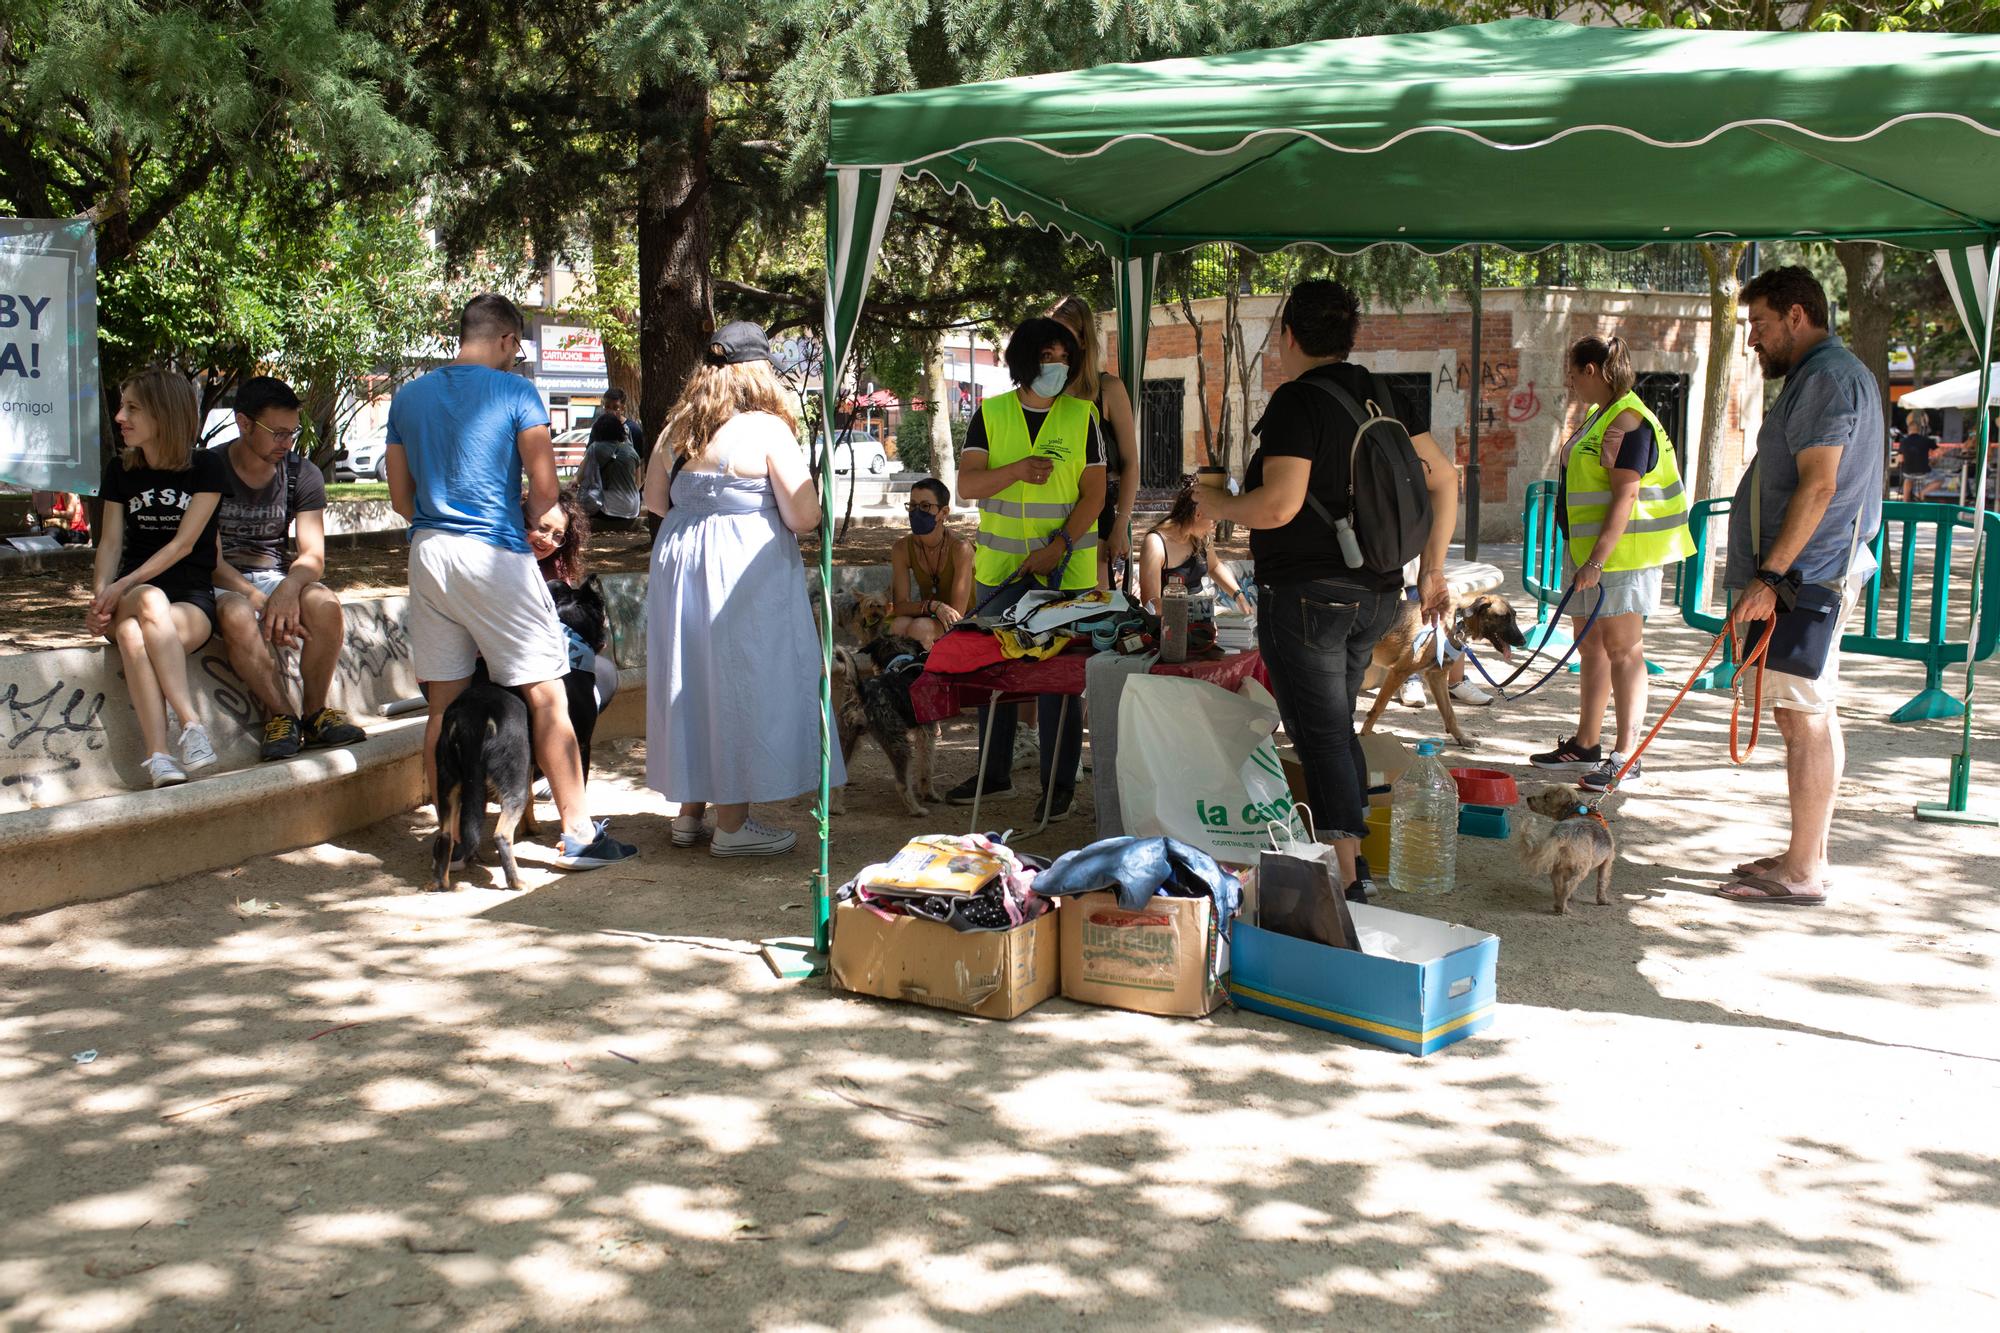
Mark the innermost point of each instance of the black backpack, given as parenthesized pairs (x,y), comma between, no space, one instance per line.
(1388,516)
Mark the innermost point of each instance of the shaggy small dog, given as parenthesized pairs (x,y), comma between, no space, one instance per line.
(1565,835)
(484,751)
(860,617)
(871,694)
(1403,652)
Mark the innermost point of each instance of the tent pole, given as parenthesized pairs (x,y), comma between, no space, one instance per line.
(1956,808)
(1477,293)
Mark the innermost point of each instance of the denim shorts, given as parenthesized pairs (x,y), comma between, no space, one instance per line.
(1619,592)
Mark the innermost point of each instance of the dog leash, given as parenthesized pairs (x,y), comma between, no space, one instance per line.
(1500,686)
(1755,658)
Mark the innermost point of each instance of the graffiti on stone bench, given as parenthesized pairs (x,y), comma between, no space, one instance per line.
(376,641)
(46,733)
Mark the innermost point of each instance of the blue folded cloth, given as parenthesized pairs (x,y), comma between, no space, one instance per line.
(1139,868)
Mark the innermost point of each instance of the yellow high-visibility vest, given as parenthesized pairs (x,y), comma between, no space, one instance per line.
(1657,532)
(1021,519)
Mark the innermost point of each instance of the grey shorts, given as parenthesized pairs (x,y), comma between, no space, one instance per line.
(1620,592)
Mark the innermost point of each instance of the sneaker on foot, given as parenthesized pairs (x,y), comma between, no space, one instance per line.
(1412,693)
(963,793)
(1027,748)
(1601,777)
(1468,693)
(329,726)
(282,737)
(1569,757)
(753,839)
(1063,801)
(543,791)
(690,830)
(165,770)
(1363,888)
(197,750)
(601,828)
(603,850)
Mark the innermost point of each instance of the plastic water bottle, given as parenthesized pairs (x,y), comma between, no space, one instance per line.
(1174,621)
(1423,826)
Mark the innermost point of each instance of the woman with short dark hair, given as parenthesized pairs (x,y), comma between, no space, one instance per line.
(930,570)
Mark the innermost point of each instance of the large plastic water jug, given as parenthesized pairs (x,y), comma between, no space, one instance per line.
(1423,826)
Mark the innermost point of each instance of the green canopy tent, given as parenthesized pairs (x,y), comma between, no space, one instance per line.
(1519,134)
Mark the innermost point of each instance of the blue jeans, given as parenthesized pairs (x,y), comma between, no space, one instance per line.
(1316,638)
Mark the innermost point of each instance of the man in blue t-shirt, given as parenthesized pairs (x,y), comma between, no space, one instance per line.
(458,440)
(1815,493)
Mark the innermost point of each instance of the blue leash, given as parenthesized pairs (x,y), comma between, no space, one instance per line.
(1555,622)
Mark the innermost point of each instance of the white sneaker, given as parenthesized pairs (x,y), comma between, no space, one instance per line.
(1027,748)
(544,792)
(692,829)
(1412,693)
(197,750)
(165,770)
(753,839)
(1468,693)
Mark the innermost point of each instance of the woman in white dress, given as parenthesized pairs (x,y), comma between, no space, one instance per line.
(732,658)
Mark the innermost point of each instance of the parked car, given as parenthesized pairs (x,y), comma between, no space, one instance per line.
(860,451)
(363,459)
(570,448)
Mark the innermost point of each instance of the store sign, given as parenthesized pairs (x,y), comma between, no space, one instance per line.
(50,416)
(570,359)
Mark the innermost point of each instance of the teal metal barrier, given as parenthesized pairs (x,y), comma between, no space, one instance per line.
(1542,546)
(1934,649)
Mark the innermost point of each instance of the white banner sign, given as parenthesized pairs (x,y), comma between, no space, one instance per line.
(567,350)
(49,406)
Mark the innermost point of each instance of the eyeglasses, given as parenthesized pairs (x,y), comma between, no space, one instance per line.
(922,508)
(551,534)
(286,437)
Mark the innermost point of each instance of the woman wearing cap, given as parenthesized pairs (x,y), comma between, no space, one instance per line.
(732,659)
(1624,510)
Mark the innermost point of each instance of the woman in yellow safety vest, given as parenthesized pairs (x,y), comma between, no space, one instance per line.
(1624,511)
(1034,462)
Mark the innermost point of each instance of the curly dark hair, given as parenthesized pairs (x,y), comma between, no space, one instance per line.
(566,561)
(1783,288)
(1024,349)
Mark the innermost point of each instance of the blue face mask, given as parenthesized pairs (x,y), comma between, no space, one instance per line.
(1051,380)
(923,522)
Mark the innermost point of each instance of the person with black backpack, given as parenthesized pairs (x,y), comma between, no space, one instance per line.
(1346,487)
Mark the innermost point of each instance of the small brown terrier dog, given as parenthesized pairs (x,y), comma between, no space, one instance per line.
(1566,837)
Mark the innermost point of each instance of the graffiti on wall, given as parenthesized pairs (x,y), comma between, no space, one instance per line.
(47,732)
(1497,379)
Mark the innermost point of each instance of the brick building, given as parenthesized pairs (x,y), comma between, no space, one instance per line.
(1425,350)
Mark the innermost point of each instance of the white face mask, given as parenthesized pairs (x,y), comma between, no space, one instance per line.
(1051,380)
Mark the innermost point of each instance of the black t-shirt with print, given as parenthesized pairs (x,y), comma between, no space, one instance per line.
(155,500)
(1304,422)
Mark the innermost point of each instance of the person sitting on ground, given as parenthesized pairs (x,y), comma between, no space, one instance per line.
(607,484)
(1177,547)
(930,571)
(459,438)
(732,658)
(267,598)
(558,541)
(156,553)
(1624,510)
(1034,460)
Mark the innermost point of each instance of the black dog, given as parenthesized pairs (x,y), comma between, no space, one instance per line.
(582,613)
(484,750)
(875,700)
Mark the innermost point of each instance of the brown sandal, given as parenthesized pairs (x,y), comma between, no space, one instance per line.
(1764,890)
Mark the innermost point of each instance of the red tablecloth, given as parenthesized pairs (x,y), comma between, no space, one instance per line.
(938,695)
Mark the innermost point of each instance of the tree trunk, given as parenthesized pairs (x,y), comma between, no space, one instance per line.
(944,463)
(673,217)
(1200,376)
(1868,313)
(1722,261)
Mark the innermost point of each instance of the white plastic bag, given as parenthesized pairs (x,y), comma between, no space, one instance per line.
(1197,763)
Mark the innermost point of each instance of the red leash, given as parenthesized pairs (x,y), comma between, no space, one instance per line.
(1755,658)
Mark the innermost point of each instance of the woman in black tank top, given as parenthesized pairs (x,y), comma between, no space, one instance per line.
(1178,547)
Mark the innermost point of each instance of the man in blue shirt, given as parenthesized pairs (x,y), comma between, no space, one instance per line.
(458,440)
(1816,492)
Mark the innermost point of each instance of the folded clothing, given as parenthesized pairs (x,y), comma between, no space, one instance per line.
(1004,902)
(1139,868)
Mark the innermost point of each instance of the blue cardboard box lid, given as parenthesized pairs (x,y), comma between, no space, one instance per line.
(1419,985)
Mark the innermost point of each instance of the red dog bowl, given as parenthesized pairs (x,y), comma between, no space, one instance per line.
(1485,786)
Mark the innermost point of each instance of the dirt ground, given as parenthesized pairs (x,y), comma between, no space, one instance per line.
(323,1099)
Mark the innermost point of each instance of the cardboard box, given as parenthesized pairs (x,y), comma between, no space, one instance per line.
(1419,985)
(1154,960)
(990,973)
(1388,759)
